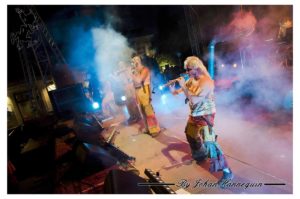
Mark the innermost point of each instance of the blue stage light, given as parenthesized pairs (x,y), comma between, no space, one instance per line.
(288,101)
(164,99)
(123,98)
(95,105)
(161,87)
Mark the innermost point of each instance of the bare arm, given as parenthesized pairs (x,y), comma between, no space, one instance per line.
(195,96)
(176,92)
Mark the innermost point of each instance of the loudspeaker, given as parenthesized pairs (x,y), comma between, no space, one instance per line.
(70,99)
(124,182)
(87,129)
(88,159)
(93,155)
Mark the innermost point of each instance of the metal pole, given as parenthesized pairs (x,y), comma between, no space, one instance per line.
(241,57)
(211,59)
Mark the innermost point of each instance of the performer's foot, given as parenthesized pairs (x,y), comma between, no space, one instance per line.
(200,155)
(200,160)
(146,131)
(227,176)
(132,120)
(155,134)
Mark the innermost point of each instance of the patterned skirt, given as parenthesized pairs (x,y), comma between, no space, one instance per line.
(203,126)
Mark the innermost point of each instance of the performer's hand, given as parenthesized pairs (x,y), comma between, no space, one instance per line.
(181,82)
(132,76)
(172,88)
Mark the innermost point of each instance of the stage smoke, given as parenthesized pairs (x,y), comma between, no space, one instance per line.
(253,46)
(110,47)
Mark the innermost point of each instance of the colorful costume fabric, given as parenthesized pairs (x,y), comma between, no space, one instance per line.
(200,132)
(144,98)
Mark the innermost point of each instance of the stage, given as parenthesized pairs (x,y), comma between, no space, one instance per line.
(257,144)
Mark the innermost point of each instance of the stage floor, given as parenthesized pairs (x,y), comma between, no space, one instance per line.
(258,146)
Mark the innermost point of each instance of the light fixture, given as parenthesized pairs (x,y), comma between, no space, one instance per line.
(95,105)
(123,98)
(51,87)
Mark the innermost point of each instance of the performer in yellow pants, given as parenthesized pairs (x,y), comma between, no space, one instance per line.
(144,100)
(141,81)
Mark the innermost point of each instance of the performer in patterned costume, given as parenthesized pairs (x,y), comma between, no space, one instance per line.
(199,90)
(141,81)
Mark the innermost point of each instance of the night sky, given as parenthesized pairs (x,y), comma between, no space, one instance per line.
(166,22)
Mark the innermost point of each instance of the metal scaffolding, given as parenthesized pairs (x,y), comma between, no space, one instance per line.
(194,30)
(38,53)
